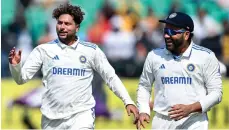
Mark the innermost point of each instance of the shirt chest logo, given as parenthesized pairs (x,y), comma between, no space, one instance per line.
(162,66)
(55,57)
(190,67)
(82,59)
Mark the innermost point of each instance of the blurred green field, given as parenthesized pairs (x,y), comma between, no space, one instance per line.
(11,119)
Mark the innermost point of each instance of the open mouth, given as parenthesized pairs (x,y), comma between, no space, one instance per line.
(168,41)
(169,44)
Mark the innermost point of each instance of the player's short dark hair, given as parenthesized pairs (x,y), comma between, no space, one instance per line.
(74,11)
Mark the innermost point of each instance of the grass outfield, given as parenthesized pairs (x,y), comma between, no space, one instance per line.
(11,119)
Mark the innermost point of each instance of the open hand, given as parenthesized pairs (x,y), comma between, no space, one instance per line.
(142,117)
(130,108)
(179,111)
(14,57)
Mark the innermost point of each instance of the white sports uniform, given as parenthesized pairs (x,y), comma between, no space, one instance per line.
(67,76)
(192,77)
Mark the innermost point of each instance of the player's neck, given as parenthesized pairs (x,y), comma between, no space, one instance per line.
(181,49)
(70,41)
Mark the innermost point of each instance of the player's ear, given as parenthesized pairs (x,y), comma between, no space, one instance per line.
(77,27)
(187,35)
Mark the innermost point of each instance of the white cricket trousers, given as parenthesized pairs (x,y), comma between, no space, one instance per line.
(79,121)
(197,121)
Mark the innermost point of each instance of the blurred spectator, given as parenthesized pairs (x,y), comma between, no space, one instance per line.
(107,9)
(150,22)
(102,24)
(8,41)
(119,47)
(120,28)
(98,29)
(101,108)
(157,37)
(151,36)
(17,35)
(224,4)
(129,10)
(130,20)
(25,3)
(24,41)
(205,26)
(139,31)
(31,99)
(225,44)
(175,7)
(207,32)
(47,37)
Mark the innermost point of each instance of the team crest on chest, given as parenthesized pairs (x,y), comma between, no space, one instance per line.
(190,67)
(83,59)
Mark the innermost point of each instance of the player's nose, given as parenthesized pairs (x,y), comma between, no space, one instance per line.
(62,26)
(166,35)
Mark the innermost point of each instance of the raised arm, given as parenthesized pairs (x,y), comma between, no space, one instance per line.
(22,73)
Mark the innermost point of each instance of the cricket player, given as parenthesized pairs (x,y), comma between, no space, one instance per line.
(67,65)
(186,78)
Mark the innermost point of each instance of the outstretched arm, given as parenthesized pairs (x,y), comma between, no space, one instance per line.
(102,66)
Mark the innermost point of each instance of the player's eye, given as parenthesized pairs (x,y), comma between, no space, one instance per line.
(172,32)
(59,22)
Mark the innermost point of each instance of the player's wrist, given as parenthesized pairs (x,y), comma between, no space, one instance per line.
(130,105)
(144,114)
(195,107)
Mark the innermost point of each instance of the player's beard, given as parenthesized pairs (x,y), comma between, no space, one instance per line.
(67,38)
(176,44)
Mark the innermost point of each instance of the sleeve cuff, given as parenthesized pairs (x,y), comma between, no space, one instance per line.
(15,66)
(144,110)
(129,102)
(203,106)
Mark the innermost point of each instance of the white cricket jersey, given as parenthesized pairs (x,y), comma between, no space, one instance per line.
(67,76)
(192,77)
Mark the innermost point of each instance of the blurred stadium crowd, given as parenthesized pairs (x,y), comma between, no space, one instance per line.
(126,30)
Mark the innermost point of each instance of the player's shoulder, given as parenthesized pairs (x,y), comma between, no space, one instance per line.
(155,54)
(157,51)
(201,50)
(87,45)
(48,44)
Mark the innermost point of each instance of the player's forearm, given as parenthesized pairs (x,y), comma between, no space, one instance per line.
(143,99)
(195,107)
(211,99)
(120,91)
(16,73)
